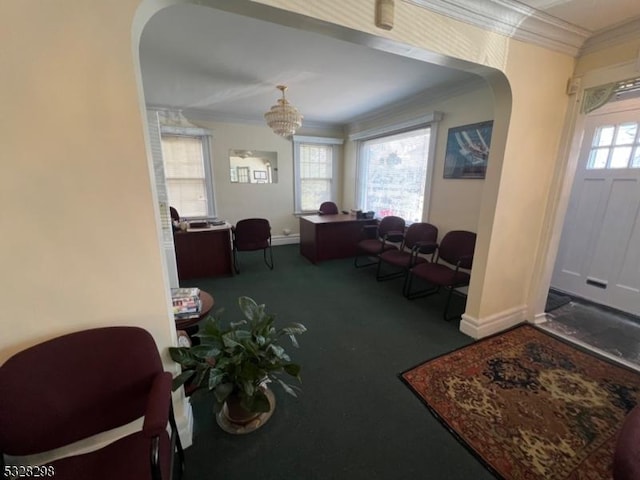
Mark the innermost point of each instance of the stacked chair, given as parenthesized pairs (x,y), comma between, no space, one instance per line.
(376,239)
(453,256)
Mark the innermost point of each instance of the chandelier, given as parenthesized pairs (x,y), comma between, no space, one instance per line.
(283,118)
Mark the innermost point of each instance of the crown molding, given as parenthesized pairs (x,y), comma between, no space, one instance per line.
(421,100)
(608,38)
(213,116)
(513,19)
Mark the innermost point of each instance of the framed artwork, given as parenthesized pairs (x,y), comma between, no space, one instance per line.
(468,150)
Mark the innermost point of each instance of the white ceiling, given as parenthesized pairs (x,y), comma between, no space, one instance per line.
(226,66)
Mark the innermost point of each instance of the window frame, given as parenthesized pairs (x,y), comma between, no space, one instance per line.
(298,141)
(610,148)
(206,139)
(430,121)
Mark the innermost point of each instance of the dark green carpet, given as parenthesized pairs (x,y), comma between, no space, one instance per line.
(354,418)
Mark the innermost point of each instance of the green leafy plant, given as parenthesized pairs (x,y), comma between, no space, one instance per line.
(239,358)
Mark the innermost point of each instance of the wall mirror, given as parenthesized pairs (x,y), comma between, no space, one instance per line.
(253,166)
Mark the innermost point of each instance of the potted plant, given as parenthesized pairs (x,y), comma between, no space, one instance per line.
(237,361)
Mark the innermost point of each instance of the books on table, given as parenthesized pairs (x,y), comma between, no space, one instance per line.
(186,302)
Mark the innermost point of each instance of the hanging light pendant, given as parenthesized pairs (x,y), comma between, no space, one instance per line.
(283,118)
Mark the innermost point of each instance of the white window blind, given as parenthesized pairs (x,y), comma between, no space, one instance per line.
(316,175)
(185,161)
(392,174)
(315,160)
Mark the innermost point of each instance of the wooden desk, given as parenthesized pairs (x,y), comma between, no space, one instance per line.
(203,253)
(325,237)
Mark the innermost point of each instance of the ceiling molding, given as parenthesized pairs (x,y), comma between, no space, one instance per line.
(515,20)
(422,100)
(608,38)
(212,116)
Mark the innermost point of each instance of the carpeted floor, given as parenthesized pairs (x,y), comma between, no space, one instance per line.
(353,420)
(530,405)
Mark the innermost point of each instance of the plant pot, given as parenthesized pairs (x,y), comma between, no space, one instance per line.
(236,414)
(232,418)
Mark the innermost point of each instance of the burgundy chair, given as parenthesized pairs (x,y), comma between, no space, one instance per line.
(420,238)
(456,249)
(175,216)
(84,383)
(328,208)
(626,457)
(379,238)
(252,234)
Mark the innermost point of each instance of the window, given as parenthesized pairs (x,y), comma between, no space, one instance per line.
(188,174)
(615,146)
(243,174)
(392,174)
(315,161)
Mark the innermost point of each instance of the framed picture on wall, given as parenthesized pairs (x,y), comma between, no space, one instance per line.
(468,150)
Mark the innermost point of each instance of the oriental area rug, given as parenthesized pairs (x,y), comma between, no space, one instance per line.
(529,405)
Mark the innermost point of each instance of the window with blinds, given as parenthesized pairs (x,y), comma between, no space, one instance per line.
(393,174)
(316,175)
(185,161)
(315,161)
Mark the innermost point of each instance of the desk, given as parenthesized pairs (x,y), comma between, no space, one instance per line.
(325,237)
(203,253)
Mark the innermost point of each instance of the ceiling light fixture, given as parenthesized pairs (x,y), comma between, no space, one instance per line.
(283,118)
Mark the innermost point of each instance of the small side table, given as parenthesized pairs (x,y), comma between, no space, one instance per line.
(190,325)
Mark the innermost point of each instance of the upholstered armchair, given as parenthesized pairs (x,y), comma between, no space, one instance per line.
(78,385)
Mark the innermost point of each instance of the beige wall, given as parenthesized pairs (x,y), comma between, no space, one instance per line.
(97,180)
(454,204)
(236,201)
(75,184)
(80,246)
(79,216)
(530,102)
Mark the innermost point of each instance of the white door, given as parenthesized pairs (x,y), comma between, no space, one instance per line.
(599,254)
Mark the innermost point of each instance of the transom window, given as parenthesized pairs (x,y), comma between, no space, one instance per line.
(615,146)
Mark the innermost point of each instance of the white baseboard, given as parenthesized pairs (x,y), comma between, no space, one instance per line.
(285,239)
(541,318)
(184,423)
(482,327)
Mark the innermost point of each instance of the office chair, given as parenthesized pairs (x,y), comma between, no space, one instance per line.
(379,238)
(456,249)
(328,208)
(252,234)
(420,238)
(78,385)
(175,216)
